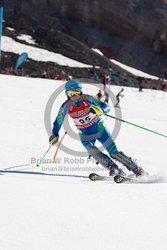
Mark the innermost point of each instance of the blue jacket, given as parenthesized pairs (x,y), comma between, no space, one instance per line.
(68,105)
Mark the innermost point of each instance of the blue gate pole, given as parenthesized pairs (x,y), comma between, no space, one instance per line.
(1,20)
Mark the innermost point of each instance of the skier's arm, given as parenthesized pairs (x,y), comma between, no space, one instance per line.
(60,118)
(95,102)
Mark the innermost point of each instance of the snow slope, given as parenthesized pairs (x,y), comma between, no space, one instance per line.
(134,71)
(55,206)
(38,54)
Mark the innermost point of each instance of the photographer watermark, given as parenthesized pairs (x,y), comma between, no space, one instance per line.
(68,160)
(72,169)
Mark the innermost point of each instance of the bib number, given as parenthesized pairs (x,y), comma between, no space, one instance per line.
(84,120)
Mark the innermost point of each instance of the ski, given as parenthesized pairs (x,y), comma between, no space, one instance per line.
(116,178)
(128,179)
(96,177)
(120,179)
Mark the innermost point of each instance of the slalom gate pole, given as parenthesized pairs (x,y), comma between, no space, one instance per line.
(1,23)
(58,146)
(38,164)
(136,125)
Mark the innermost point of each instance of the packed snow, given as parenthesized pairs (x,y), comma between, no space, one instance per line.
(55,206)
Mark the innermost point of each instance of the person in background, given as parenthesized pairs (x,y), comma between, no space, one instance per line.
(99,95)
(118,97)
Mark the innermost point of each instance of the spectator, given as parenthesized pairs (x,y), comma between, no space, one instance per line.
(140,83)
(62,75)
(95,76)
(99,95)
(44,74)
(110,76)
(69,77)
(105,79)
(163,84)
(48,73)
(9,71)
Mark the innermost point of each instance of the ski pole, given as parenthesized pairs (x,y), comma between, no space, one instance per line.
(58,146)
(136,125)
(38,164)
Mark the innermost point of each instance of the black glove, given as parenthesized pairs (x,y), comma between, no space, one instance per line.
(53,139)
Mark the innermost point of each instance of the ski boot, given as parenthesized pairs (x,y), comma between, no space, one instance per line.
(115,171)
(140,173)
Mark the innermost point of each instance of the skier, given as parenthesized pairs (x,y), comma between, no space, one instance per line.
(86,112)
(118,97)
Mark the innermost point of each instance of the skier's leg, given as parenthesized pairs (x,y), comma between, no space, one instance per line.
(128,163)
(99,156)
(106,139)
(125,160)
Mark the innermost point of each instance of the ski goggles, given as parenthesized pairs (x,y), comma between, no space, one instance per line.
(73,92)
